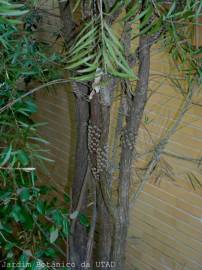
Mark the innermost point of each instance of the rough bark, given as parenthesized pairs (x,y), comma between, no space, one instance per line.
(78,239)
(100,118)
(104,241)
(133,121)
(103,228)
(79,233)
(110,244)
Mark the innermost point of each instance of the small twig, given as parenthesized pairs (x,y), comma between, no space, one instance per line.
(11,103)
(18,169)
(182,157)
(159,149)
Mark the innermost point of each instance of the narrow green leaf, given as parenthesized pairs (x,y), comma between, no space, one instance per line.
(172,8)
(6,155)
(13,12)
(22,156)
(83,38)
(141,15)
(24,194)
(113,37)
(76,5)
(81,62)
(40,206)
(132,12)
(53,234)
(84,220)
(65,227)
(23,261)
(90,69)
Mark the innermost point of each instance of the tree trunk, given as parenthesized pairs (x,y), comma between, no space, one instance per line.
(112,234)
(100,123)
(79,234)
(100,118)
(133,121)
(78,238)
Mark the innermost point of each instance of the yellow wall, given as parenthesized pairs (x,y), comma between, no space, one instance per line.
(166,220)
(167,217)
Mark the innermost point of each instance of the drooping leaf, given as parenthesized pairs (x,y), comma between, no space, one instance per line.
(24,194)
(22,156)
(5,156)
(53,234)
(40,206)
(23,261)
(84,220)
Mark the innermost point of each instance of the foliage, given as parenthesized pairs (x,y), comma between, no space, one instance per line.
(97,46)
(10,10)
(32,225)
(99,49)
(31,220)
